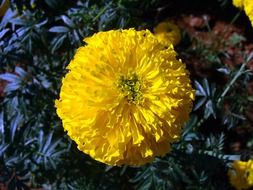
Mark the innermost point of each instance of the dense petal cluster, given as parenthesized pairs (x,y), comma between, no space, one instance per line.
(241,174)
(247,5)
(238,3)
(125,97)
(167,33)
(248,8)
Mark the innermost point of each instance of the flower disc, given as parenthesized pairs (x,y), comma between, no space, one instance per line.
(125,97)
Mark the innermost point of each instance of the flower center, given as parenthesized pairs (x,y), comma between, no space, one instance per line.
(130,86)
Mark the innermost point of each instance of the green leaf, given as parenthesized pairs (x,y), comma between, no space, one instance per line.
(3,148)
(68,21)
(10,77)
(57,42)
(15,123)
(200,90)
(2,123)
(21,72)
(199,103)
(3,32)
(59,29)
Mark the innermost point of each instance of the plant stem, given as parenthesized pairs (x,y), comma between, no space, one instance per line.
(229,86)
(238,74)
(102,12)
(235,17)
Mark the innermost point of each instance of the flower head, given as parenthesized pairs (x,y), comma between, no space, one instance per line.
(241,174)
(167,33)
(125,97)
(238,3)
(247,5)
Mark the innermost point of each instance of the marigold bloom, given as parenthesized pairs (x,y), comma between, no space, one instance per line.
(241,175)
(167,33)
(125,97)
(248,8)
(247,5)
(238,3)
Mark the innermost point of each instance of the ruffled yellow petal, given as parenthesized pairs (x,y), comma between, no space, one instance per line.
(238,3)
(125,97)
(248,7)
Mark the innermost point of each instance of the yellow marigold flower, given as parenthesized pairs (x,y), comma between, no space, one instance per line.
(241,175)
(248,8)
(238,3)
(247,5)
(167,33)
(125,97)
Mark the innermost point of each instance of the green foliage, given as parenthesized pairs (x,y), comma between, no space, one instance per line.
(38,40)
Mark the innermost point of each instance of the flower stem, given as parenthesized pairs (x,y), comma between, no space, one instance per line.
(238,74)
(236,17)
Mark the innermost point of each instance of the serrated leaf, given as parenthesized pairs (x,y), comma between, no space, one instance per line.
(206,87)
(142,175)
(3,32)
(39,25)
(10,77)
(190,124)
(9,14)
(77,38)
(46,145)
(59,29)
(21,72)
(30,141)
(68,21)
(3,148)
(19,21)
(191,136)
(58,153)
(209,109)
(11,87)
(15,123)
(199,103)
(52,147)
(21,32)
(224,70)
(200,90)
(57,42)
(2,123)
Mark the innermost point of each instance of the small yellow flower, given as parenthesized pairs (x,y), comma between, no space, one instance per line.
(247,5)
(125,97)
(167,33)
(241,174)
